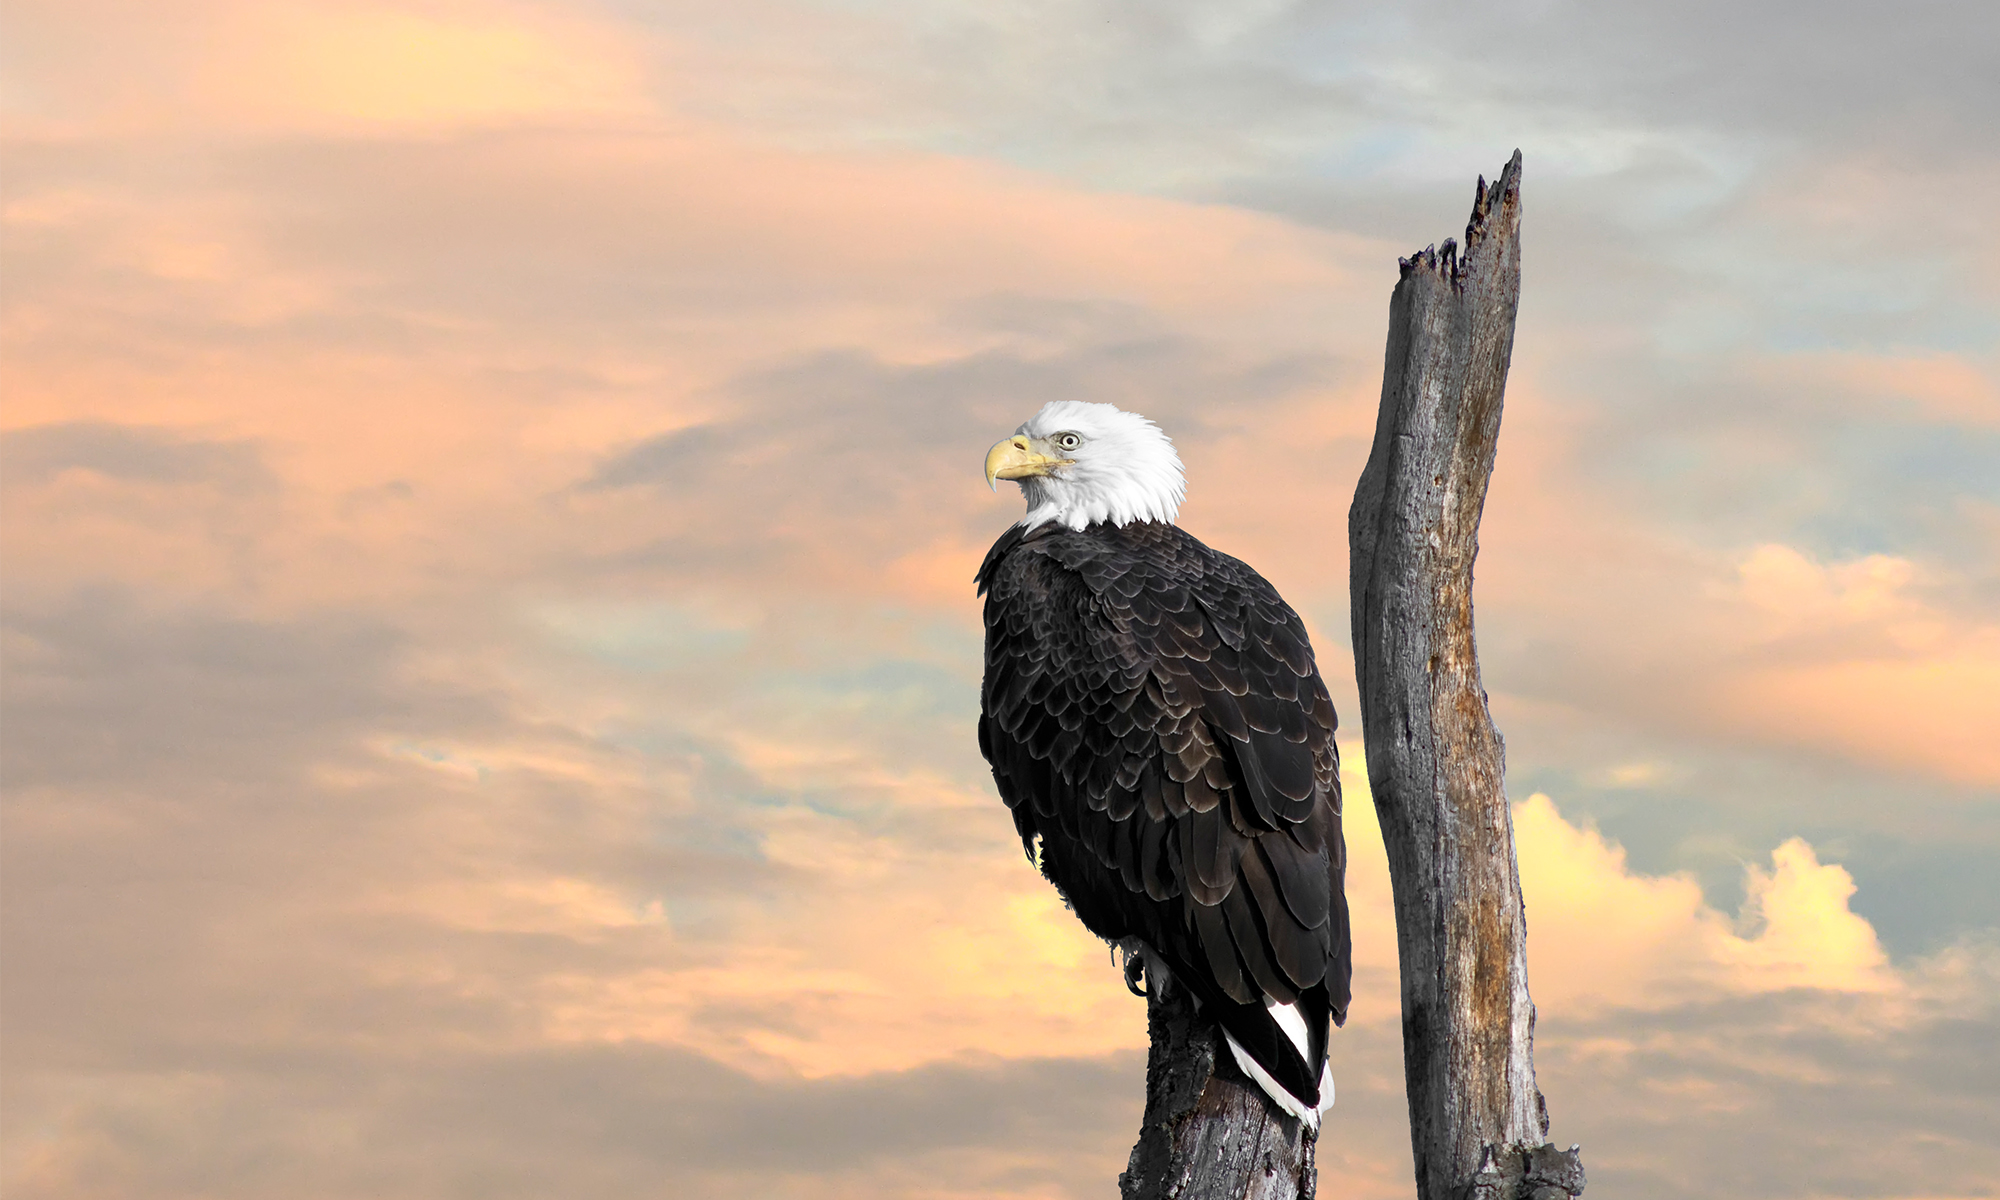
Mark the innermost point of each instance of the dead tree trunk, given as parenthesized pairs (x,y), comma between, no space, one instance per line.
(1209,1132)
(1435,761)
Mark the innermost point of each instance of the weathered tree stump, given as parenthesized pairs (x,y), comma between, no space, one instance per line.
(1437,768)
(1209,1132)
(1435,761)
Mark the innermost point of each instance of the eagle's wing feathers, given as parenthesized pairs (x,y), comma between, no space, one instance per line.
(1152,714)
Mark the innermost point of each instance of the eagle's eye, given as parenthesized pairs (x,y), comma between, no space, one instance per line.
(1067,441)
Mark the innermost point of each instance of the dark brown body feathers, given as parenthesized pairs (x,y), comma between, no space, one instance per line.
(1152,712)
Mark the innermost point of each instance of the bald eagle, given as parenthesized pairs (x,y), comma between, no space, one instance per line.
(1157,726)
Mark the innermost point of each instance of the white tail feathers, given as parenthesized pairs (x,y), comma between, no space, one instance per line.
(1288,1018)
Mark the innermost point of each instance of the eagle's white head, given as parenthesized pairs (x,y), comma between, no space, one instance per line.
(1080,463)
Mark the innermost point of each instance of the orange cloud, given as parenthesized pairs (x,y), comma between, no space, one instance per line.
(1864,658)
(1604,936)
(1933,714)
(389,64)
(1601,935)
(903,959)
(907,958)
(437,451)
(324,67)
(1948,388)
(1856,661)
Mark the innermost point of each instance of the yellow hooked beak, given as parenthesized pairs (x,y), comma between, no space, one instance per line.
(1017,458)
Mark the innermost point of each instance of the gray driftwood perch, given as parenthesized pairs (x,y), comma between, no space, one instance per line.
(1209,1133)
(1435,761)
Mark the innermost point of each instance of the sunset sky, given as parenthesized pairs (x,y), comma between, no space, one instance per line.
(490,497)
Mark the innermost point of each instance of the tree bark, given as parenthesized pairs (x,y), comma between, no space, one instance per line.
(1435,761)
(1209,1132)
